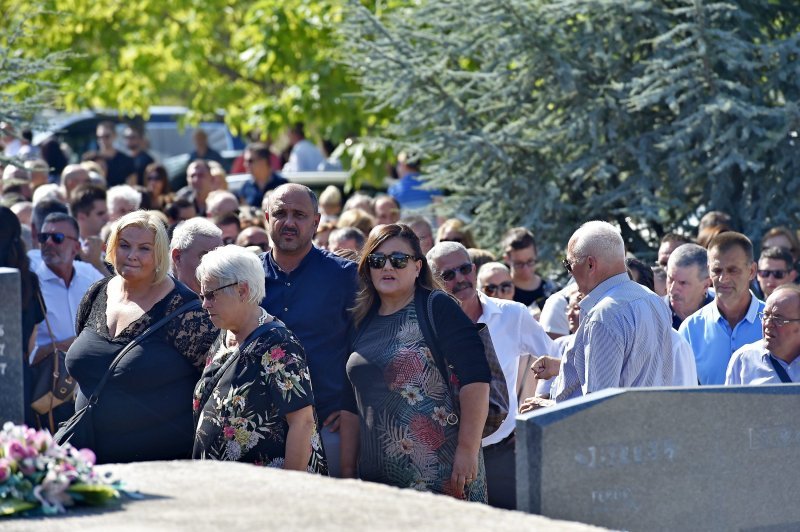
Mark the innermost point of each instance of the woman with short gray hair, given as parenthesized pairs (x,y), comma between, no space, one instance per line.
(254,401)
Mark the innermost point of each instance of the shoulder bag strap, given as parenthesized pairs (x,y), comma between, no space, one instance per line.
(427,325)
(782,375)
(191,305)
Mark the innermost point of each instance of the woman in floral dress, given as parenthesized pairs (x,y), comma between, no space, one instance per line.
(254,401)
(399,425)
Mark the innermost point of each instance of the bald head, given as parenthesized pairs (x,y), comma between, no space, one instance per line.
(291,188)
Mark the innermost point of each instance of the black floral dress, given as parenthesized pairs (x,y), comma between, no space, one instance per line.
(244,416)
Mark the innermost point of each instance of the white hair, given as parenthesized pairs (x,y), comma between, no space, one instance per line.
(217,198)
(599,239)
(234,264)
(187,231)
(15,172)
(489,268)
(443,249)
(48,191)
(126,193)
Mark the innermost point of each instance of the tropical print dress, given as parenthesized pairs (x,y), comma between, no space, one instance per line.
(244,416)
(408,436)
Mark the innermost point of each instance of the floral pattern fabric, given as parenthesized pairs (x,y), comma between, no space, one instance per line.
(408,433)
(244,416)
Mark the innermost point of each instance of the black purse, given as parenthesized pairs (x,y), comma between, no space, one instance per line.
(79,429)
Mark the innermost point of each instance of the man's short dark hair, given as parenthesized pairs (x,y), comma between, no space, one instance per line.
(173,210)
(229,218)
(57,217)
(644,274)
(299,129)
(728,240)
(675,237)
(83,197)
(260,150)
(517,238)
(715,218)
(42,209)
(689,255)
(778,253)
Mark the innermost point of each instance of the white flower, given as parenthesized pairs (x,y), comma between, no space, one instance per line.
(412,394)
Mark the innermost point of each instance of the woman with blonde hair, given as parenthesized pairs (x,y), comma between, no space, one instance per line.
(144,411)
(454,230)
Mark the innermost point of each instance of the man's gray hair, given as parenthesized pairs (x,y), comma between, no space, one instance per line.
(598,239)
(416,219)
(690,255)
(187,231)
(347,233)
(442,249)
(127,193)
(234,264)
(489,268)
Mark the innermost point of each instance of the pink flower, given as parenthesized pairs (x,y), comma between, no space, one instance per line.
(17,451)
(196,404)
(229,432)
(88,456)
(276,353)
(5,469)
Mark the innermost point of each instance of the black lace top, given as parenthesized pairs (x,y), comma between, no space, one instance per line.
(145,409)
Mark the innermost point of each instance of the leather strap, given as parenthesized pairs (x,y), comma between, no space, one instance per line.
(782,375)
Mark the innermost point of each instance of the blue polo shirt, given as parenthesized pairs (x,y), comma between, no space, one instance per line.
(713,341)
(253,196)
(408,193)
(313,302)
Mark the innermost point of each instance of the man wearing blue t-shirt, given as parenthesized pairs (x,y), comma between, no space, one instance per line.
(731,319)
(407,190)
(311,290)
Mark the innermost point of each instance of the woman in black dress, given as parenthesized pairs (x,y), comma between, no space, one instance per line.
(145,409)
(13,255)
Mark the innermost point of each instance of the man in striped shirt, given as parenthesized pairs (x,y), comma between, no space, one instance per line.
(623,339)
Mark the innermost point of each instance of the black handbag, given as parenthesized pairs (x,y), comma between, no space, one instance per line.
(79,429)
(52,384)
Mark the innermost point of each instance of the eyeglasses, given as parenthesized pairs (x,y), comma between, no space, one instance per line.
(780,322)
(211,295)
(154,177)
(527,264)
(568,265)
(57,237)
(464,269)
(778,274)
(398,260)
(505,287)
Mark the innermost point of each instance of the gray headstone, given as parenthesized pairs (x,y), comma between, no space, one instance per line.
(11,407)
(708,458)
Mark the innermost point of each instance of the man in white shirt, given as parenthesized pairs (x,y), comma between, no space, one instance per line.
(514,334)
(305,156)
(62,284)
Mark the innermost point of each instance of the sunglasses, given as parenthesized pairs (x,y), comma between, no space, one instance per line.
(398,260)
(504,287)
(569,265)
(211,295)
(464,269)
(778,274)
(57,237)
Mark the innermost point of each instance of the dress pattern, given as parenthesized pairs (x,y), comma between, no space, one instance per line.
(408,436)
(244,415)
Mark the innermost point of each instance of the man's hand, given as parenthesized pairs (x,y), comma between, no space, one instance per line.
(546,367)
(534,403)
(332,421)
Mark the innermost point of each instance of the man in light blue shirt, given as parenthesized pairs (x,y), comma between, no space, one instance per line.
(730,321)
(623,339)
(774,359)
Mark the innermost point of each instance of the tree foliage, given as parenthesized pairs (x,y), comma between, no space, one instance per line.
(548,113)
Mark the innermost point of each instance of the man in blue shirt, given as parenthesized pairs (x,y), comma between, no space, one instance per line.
(407,190)
(687,282)
(262,178)
(730,321)
(311,290)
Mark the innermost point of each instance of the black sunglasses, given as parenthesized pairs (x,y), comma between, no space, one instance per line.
(778,274)
(464,269)
(57,237)
(504,287)
(211,295)
(398,260)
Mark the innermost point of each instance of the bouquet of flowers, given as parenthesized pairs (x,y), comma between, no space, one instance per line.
(38,475)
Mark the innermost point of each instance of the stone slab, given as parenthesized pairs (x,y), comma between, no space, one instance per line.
(212,496)
(707,458)
(11,378)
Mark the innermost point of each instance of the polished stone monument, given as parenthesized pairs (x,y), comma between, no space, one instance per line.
(11,406)
(707,458)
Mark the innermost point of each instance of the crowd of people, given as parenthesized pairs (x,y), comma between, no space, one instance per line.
(350,338)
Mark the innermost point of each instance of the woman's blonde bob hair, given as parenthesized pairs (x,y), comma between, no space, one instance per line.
(144,220)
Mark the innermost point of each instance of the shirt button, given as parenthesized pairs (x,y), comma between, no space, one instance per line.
(288,284)
(285,309)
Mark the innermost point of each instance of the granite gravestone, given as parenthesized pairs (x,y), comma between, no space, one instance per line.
(11,406)
(708,458)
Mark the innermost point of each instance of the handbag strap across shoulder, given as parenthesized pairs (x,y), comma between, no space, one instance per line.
(782,375)
(191,305)
(427,324)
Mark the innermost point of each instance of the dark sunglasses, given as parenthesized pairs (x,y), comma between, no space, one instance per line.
(778,274)
(504,287)
(569,265)
(398,260)
(211,295)
(57,237)
(154,177)
(464,269)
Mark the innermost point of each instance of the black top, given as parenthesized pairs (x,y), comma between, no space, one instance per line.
(140,162)
(539,296)
(120,166)
(145,410)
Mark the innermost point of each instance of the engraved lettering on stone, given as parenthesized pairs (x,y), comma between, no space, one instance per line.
(2,329)
(3,367)
(775,437)
(2,350)
(625,454)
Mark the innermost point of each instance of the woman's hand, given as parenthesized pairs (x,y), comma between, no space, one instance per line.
(465,469)
(474,399)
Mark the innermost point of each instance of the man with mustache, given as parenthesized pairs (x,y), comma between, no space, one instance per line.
(311,290)
(515,334)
